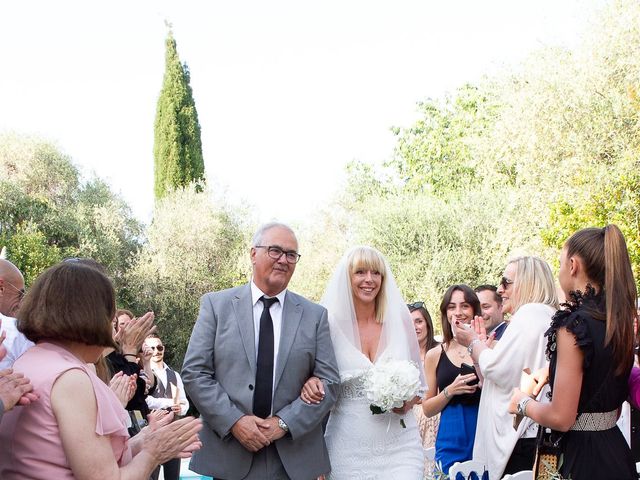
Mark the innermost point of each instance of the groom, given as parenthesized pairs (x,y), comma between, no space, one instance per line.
(251,350)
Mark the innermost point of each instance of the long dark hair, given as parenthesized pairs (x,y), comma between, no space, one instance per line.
(431,341)
(469,296)
(606,262)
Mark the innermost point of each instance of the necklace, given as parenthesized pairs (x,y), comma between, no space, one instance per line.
(462,354)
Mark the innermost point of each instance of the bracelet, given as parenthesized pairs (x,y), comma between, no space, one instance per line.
(445,393)
(470,347)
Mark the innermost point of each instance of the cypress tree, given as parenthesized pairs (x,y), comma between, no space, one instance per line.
(177,148)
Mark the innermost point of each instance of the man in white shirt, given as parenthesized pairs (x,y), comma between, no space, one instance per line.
(169,394)
(11,294)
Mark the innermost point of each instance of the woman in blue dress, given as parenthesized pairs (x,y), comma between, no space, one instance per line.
(457,395)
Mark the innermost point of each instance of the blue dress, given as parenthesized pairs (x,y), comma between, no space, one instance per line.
(458,419)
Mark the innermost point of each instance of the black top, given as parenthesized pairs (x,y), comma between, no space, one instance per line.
(600,454)
(446,372)
(119,363)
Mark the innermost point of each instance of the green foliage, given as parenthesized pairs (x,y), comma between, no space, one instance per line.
(177,148)
(193,247)
(47,213)
(437,153)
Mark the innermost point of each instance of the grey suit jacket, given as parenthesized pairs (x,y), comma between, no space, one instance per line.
(219,374)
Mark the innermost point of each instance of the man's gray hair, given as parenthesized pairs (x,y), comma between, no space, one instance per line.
(257,237)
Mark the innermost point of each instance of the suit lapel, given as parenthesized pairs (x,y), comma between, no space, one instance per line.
(291,316)
(243,308)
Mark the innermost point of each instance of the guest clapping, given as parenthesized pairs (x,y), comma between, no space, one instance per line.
(77,429)
(528,293)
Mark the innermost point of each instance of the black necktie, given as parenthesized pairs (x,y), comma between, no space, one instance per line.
(264,372)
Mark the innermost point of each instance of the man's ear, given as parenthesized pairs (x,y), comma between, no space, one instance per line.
(252,254)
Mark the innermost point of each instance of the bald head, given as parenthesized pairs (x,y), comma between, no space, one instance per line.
(11,288)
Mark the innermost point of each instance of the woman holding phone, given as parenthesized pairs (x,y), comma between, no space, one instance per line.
(453,388)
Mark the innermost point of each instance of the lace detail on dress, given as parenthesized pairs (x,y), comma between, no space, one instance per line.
(354,388)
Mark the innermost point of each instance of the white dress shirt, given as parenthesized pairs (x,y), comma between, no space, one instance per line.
(157,403)
(15,343)
(276,318)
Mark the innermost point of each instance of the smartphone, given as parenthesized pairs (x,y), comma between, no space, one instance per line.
(465,369)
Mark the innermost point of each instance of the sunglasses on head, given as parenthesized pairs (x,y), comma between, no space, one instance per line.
(415,305)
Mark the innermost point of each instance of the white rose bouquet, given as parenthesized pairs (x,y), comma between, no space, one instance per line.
(390,383)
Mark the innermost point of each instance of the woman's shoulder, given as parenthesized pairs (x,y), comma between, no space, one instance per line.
(435,352)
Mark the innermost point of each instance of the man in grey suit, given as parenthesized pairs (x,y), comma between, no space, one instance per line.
(251,350)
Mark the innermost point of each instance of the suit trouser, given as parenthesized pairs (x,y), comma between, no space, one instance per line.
(266,465)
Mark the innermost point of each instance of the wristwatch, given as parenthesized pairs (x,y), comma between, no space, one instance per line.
(522,406)
(283,425)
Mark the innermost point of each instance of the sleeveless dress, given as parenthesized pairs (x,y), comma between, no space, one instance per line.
(363,446)
(30,445)
(457,430)
(592,454)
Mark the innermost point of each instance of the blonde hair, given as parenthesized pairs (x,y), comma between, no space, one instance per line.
(368,258)
(534,283)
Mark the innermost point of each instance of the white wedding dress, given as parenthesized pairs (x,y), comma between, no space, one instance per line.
(363,446)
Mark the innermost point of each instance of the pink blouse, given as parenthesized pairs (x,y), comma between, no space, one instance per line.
(30,445)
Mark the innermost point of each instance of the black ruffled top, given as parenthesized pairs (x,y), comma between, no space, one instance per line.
(592,454)
(584,315)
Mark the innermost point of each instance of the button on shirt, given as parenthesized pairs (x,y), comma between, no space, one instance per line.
(276,318)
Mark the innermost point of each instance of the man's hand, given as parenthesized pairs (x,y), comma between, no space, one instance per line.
(248,432)
(271,429)
(15,389)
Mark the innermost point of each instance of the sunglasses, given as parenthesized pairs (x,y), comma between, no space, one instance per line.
(415,305)
(505,282)
(159,348)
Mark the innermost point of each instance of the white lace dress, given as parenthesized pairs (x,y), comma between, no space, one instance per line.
(363,446)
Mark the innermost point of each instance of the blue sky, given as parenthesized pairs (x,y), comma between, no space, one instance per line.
(297,88)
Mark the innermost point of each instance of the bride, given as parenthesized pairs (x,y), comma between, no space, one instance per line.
(369,323)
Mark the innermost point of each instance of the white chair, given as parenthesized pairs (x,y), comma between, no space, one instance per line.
(430,453)
(465,468)
(523,475)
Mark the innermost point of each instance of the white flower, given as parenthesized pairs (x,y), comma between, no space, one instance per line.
(390,383)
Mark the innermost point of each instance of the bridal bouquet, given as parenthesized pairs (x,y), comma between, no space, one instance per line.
(390,383)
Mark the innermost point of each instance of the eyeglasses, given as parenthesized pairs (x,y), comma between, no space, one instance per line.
(276,253)
(21,291)
(415,305)
(505,282)
(159,348)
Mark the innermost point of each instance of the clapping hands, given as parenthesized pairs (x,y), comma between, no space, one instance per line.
(124,386)
(15,389)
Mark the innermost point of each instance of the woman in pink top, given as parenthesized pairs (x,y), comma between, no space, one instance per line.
(77,428)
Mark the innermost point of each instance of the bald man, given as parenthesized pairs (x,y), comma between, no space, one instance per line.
(11,293)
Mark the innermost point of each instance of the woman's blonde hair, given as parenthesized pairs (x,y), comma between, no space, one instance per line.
(368,258)
(534,283)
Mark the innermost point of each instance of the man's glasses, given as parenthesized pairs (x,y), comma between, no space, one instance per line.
(415,305)
(159,348)
(276,253)
(21,291)
(505,282)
